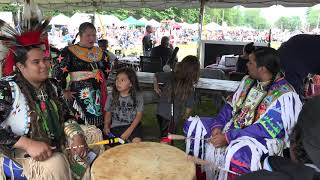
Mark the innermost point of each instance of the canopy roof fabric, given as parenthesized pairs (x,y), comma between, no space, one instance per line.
(159,4)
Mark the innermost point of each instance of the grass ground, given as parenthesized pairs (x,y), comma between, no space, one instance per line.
(184,50)
(150,125)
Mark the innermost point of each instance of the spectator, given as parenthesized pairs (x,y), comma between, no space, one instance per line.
(147,41)
(163,51)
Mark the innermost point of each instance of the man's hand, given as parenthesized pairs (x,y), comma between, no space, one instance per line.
(39,151)
(219,140)
(79,146)
(216,131)
(106,130)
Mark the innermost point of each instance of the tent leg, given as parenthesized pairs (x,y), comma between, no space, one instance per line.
(201,14)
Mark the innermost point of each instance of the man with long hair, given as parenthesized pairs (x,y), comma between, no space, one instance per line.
(255,121)
(304,150)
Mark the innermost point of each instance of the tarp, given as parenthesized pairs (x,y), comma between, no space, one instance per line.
(91,5)
(131,21)
(60,19)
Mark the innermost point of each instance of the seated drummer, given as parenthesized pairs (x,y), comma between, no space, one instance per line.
(256,120)
(124,107)
(35,121)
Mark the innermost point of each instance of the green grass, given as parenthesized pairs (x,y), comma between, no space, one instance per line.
(151,128)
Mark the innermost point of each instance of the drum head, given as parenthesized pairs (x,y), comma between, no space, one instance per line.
(145,160)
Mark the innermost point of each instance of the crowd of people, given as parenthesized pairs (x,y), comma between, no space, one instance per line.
(48,122)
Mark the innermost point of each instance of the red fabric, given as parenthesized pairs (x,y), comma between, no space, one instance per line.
(9,63)
(166,140)
(104,91)
(199,174)
(29,38)
(25,39)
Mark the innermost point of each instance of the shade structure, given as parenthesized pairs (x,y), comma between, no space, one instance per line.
(60,19)
(69,5)
(131,21)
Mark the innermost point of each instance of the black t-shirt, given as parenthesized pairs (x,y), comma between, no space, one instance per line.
(147,42)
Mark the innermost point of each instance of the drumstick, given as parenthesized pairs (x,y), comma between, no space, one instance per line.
(103,142)
(204,162)
(181,137)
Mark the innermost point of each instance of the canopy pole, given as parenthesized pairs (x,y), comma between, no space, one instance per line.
(201,15)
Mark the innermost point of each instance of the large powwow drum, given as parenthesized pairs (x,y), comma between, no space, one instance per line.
(144,160)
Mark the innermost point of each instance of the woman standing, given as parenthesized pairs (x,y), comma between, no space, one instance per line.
(86,65)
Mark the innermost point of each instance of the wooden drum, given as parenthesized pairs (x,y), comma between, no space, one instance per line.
(144,160)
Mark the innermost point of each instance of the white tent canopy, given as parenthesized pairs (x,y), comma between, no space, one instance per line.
(159,4)
(213,27)
(60,19)
(107,20)
(7,17)
(144,20)
(154,23)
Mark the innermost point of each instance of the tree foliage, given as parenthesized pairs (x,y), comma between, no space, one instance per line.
(313,17)
(290,23)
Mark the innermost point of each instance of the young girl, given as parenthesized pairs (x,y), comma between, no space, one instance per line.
(124,107)
(180,85)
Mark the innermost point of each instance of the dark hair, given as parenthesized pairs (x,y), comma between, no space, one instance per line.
(269,58)
(249,48)
(133,91)
(165,41)
(148,27)
(82,28)
(187,73)
(102,42)
(296,140)
(21,53)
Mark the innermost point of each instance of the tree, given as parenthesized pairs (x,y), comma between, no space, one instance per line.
(290,23)
(253,18)
(313,17)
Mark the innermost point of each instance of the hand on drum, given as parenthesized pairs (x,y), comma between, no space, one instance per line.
(39,151)
(106,130)
(126,134)
(79,145)
(218,139)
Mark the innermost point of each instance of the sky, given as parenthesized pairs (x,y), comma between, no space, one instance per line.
(273,13)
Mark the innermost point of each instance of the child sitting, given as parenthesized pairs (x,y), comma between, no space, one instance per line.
(124,107)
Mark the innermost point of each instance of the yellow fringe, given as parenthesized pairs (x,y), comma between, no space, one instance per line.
(55,168)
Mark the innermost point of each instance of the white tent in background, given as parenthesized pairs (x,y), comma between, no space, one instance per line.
(60,19)
(107,20)
(7,17)
(144,20)
(154,23)
(213,27)
(79,18)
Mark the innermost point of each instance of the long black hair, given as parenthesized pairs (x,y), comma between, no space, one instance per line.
(132,76)
(82,28)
